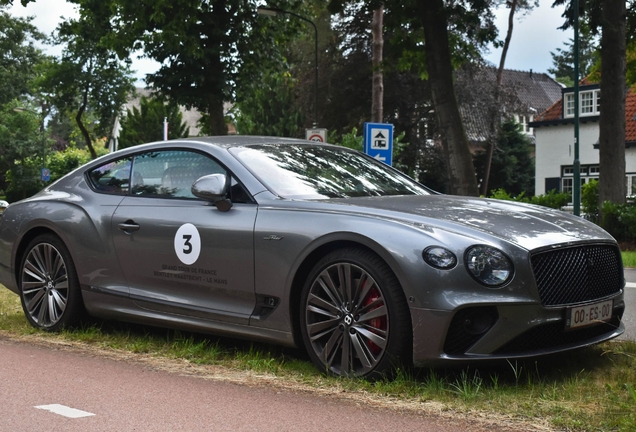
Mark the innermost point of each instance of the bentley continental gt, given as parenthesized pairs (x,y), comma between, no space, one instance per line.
(312,245)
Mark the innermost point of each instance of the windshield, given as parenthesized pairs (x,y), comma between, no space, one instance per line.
(318,172)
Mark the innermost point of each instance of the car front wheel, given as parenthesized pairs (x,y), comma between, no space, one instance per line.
(49,288)
(354,318)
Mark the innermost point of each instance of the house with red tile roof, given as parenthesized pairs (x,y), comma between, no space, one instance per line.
(554,138)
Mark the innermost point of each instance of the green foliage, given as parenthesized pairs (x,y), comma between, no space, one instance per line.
(512,166)
(201,45)
(268,107)
(350,140)
(18,56)
(589,200)
(552,199)
(563,59)
(619,220)
(62,163)
(23,146)
(145,124)
(88,78)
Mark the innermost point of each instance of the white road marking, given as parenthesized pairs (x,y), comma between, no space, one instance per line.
(65,411)
(630,284)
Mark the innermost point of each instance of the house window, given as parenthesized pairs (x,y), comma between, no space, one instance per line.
(589,103)
(631,185)
(566,185)
(569,105)
(523,121)
(588,173)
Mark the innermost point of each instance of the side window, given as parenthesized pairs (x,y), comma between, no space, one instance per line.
(170,173)
(112,177)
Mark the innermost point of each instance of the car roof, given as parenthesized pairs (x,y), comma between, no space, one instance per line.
(247,140)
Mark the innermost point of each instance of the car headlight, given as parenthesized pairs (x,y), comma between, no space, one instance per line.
(488,265)
(439,257)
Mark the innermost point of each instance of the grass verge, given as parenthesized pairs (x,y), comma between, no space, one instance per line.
(589,390)
(629,258)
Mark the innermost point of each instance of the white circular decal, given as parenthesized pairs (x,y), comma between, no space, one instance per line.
(187,243)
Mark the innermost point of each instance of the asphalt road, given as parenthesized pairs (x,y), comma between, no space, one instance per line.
(44,388)
(629,318)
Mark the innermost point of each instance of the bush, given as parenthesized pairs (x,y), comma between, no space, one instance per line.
(62,163)
(552,199)
(589,200)
(619,220)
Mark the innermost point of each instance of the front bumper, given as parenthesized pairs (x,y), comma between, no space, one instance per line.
(515,331)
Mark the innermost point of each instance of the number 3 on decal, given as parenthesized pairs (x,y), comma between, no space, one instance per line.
(187,244)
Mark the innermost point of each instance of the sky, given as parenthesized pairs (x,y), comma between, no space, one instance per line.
(534,35)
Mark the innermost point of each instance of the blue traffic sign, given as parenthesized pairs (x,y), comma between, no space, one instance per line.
(46,174)
(378,141)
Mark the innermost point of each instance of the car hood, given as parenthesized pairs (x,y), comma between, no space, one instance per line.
(529,226)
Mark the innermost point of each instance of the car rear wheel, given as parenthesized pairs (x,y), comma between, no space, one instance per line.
(49,288)
(354,317)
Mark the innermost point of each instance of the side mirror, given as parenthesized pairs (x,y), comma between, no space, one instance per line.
(213,188)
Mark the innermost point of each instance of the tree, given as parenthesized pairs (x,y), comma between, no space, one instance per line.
(89,76)
(377,26)
(201,45)
(268,107)
(563,59)
(436,36)
(495,115)
(18,56)
(23,147)
(145,124)
(512,163)
(610,18)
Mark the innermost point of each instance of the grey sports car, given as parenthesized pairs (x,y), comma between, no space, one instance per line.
(305,244)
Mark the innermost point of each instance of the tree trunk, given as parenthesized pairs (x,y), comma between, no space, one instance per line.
(495,119)
(440,72)
(216,118)
(80,124)
(611,186)
(378,86)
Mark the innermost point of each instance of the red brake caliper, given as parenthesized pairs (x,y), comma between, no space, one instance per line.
(376,323)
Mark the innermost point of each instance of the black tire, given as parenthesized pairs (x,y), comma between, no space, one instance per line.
(359,329)
(49,287)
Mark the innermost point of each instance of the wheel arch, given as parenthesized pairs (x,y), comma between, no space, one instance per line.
(311,259)
(24,242)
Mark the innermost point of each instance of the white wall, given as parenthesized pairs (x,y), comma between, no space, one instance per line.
(555,147)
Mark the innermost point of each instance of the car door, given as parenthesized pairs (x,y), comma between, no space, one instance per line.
(180,254)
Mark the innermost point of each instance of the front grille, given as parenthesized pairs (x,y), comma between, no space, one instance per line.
(553,335)
(577,274)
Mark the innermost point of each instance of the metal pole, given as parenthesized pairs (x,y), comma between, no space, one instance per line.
(276,12)
(576,187)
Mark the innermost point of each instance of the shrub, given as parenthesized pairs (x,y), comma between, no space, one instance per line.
(552,199)
(62,163)
(619,220)
(589,200)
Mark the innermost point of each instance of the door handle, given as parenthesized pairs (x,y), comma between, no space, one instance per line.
(128,226)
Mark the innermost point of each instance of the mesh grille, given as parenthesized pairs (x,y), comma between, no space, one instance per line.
(578,274)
